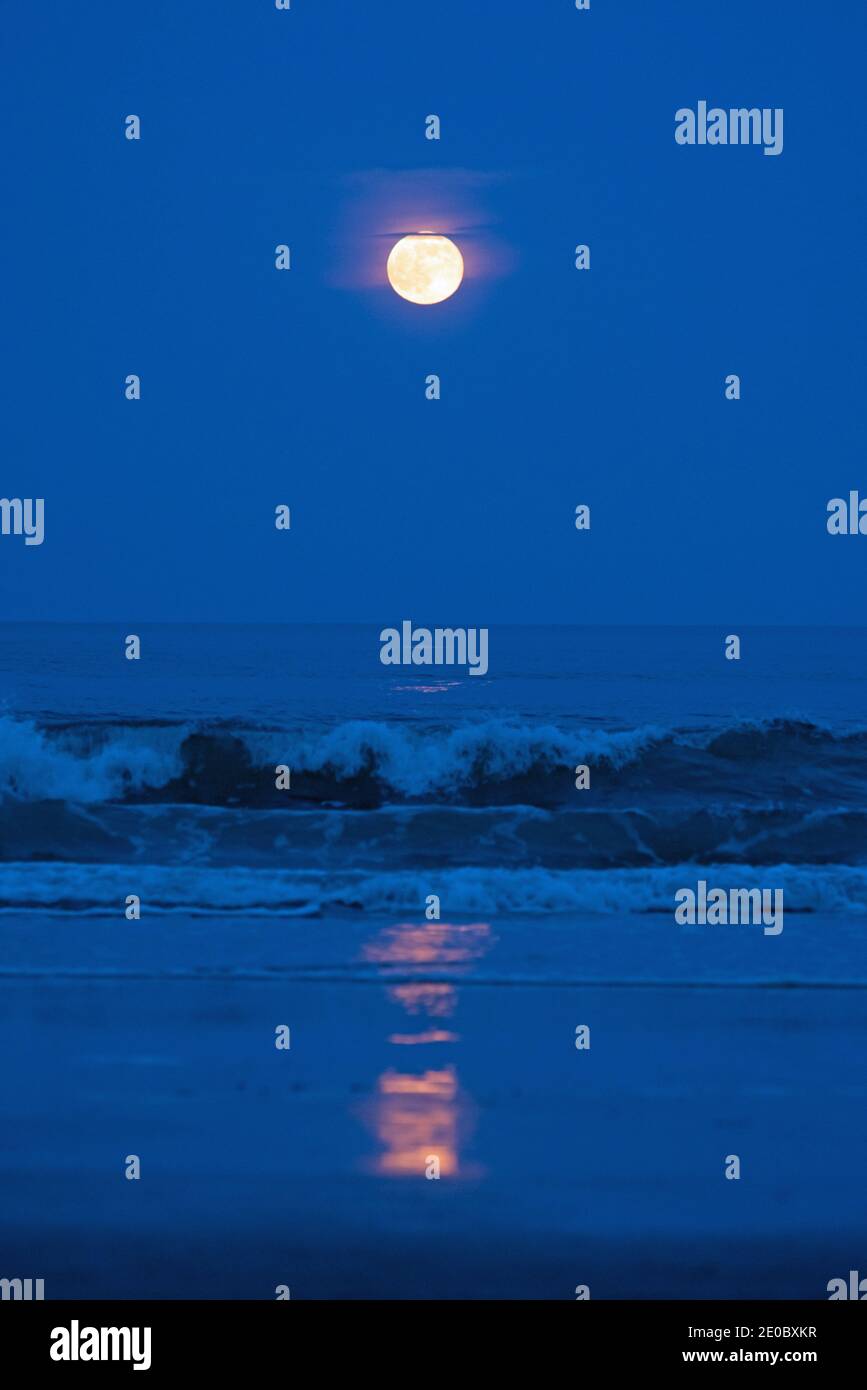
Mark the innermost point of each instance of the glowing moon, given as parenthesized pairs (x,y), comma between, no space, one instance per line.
(425,269)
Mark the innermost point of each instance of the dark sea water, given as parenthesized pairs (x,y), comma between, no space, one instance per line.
(408,781)
(410,1036)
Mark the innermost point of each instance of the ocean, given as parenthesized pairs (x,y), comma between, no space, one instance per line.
(421,1033)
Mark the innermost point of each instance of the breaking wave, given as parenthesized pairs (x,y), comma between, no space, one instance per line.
(101,889)
(368,763)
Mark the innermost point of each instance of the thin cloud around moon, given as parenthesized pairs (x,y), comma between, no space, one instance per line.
(382,206)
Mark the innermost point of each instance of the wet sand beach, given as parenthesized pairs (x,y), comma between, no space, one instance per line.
(411,1040)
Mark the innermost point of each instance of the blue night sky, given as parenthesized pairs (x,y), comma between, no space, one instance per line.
(261,127)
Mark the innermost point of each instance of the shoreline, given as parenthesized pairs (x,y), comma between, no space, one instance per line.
(306,1167)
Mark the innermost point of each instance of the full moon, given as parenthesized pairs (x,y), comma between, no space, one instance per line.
(425,268)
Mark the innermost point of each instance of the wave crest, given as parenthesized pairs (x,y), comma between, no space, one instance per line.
(100,890)
(366,763)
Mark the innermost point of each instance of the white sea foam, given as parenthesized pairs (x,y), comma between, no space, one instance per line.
(36,765)
(100,888)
